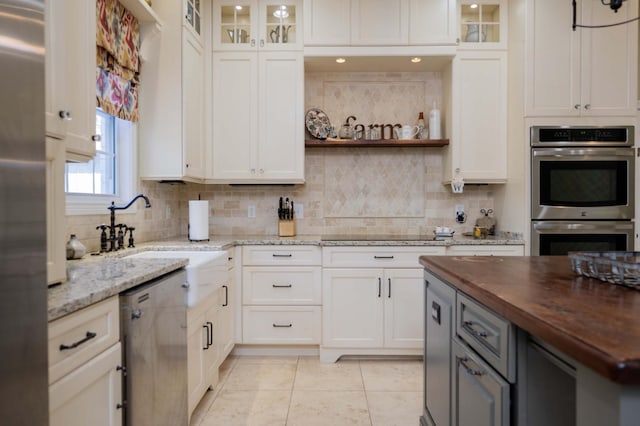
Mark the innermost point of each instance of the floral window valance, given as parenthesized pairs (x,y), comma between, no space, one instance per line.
(118,64)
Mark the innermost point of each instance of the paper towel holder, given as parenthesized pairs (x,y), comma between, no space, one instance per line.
(189,235)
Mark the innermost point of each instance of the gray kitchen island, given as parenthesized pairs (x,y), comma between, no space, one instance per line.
(525,341)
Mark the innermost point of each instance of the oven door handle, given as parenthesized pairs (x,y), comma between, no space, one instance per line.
(597,154)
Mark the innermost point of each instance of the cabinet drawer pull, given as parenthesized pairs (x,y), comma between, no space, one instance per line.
(282,325)
(379,286)
(281,285)
(282,255)
(471,371)
(383,257)
(87,337)
(469,326)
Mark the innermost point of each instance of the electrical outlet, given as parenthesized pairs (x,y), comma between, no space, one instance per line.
(251,212)
(298,211)
(460,215)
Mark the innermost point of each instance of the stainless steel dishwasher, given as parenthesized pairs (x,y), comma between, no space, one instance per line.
(154,335)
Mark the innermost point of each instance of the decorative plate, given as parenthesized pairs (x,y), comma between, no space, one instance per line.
(318,123)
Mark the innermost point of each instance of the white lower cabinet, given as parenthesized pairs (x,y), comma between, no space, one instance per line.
(210,338)
(85,375)
(226,315)
(375,306)
(293,325)
(202,348)
(281,295)
(92,391)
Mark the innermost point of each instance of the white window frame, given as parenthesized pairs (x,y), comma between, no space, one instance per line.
(126,178)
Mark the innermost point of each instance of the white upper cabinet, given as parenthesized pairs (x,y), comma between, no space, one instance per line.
(258,93)
(327,23)
(586,72)
(252,24)
(379,22)
(173,106)
(478,128)
(258,117)
(432,22)
(483,24)
(70,81)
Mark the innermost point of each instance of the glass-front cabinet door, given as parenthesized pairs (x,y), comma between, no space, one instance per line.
(483,24)
(235,25)
(280,19)
(251,25)
(193,17)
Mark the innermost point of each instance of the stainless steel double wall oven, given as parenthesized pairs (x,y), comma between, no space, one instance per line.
(582,189)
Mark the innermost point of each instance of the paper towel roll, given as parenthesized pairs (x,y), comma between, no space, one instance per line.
(198,220)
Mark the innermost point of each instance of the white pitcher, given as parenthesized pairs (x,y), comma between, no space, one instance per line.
(406,131)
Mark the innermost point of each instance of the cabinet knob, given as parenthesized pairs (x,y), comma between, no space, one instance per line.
(261,171)
(253,171)
(587,106)
(261,42)
(64,114)
(96,138)
(576,106)
(253,42)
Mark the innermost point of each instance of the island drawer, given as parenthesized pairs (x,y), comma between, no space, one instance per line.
(282,255)
(377,257)
(76,338)
(488,334)
(295,285)
(293,325)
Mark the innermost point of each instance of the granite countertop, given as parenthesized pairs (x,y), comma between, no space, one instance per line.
(91,281)
(95,278)
(593,322)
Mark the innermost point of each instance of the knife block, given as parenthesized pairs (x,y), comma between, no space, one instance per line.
(287,228)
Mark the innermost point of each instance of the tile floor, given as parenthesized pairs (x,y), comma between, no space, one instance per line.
(301,391)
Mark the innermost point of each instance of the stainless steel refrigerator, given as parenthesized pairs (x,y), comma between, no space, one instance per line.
(23,281)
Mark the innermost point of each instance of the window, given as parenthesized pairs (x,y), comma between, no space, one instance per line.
(110,176)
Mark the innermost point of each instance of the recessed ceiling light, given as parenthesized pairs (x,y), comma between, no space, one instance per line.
(341,60)
(416,60)
(238,7)
(281,12)
(473,5)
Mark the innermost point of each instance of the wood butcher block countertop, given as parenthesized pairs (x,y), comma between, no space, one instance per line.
(595,323)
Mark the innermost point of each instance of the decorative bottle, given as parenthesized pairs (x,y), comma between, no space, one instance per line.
(422,132)
(434,122)
(75,249)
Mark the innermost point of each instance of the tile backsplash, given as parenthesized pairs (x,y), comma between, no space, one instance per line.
(347,190)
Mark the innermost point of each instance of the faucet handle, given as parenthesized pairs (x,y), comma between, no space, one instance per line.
(131,229)
(121,235)
(103,237)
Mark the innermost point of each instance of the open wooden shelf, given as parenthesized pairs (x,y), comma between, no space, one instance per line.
(435,143)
